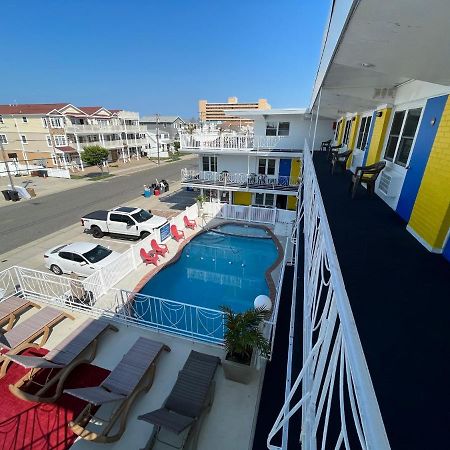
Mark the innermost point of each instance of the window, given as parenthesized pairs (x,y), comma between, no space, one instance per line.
(118,218)
(336,131)
(65,255)
(266,166)
(266,200)
(363,133)
(401,136)
(55,122)
(209,163)
(78,258)
(271,129)
(283,129)
(1,119)
(348,125)
(60,140)
(44,122)
(97,254)
(24,119)
(3,139)
(277,129)
(23,138)
(49,140)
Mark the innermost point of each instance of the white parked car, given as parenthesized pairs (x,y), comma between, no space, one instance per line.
(81,258)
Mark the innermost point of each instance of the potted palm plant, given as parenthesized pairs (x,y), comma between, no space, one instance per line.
(242,337)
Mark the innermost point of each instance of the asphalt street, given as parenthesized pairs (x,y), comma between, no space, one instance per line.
(26,221)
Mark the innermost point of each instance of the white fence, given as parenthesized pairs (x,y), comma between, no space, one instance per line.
(334,384)
(248,213)
(58,173)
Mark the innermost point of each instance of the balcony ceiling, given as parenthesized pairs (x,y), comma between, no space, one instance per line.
(400,40)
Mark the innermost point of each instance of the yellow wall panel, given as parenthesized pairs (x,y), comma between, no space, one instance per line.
(242,198)
(296,164)
(352,138)
(378,135)
(430,218)
(292,202)
(341,131)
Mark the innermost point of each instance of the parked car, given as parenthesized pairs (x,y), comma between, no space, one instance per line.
(81,258)
(123,221)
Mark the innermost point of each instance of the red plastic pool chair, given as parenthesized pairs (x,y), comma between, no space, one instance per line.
(149,257)
(189,223)
(159,249)
(177,235)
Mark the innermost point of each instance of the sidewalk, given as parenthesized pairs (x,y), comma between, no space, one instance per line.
(48,186)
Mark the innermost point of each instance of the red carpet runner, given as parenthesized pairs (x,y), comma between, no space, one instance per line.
(41,426)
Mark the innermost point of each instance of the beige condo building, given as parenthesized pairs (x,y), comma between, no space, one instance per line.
(215,112)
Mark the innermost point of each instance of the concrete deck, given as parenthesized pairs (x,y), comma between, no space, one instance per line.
(231,419)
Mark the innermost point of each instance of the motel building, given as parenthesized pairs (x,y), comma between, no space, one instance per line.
(259,168)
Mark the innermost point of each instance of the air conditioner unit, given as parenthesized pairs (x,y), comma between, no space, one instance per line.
(390,184)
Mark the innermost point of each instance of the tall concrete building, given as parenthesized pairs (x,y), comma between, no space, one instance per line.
(215,112)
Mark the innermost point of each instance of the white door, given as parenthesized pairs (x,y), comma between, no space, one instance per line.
(122,224)
(81,266)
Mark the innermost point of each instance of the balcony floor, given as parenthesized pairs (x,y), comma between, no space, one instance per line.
(399,293)
(238,186)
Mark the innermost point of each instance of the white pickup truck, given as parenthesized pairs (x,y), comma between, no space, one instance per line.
(125,221)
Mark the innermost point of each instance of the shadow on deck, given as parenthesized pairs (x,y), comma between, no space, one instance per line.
(399,293)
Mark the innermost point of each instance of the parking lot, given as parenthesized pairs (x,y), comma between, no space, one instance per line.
(31,255)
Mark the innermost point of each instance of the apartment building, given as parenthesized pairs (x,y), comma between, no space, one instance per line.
(170,125)
(222,112)
(259,168)
(52,135)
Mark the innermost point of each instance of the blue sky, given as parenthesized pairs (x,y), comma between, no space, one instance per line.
(160,56)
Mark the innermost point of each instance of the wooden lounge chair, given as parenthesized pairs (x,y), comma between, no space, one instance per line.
(368,175)
(149,258)
(340,159)
(189,223)
(78,348)
(23,335)
(10,308)
(177,235)
(161,249)
(133,375)
(184,409)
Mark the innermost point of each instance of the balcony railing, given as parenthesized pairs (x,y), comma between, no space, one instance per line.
(241,180)
(232,142)
(333,390)
(102,128)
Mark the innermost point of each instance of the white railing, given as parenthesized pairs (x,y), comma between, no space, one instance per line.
(246,180)
(58,173)
(233,142)
(123,306)
(334,384)
(248,213)
(169,316)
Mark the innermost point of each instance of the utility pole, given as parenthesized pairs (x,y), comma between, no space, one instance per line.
(7,166)
(157,135)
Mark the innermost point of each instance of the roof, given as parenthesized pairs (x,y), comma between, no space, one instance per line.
(90,109)
(154,119)
(266,112)
(31,108)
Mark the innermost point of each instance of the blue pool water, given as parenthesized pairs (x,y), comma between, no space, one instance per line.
(226,267)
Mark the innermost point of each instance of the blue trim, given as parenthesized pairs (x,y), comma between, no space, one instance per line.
(446,252)
(420,154)
(369,137)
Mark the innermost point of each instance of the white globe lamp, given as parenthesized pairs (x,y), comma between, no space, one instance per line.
(262,301)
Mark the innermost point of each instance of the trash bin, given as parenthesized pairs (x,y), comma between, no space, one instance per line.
(147,193)
(14,195)
(6,195)
(156,191)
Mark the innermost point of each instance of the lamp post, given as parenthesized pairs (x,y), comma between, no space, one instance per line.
(157,135)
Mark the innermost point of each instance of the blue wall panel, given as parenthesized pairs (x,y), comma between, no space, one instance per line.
(420,154)
(369,137)
(285,168)
(446,252)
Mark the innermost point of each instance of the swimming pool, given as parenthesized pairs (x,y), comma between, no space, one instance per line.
(222,266)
